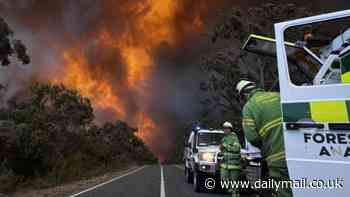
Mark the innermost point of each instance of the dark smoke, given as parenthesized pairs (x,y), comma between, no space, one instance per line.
(172,98)
(48,27)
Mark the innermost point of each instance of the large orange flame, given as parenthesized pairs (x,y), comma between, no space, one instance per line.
(78,77)
(154,25)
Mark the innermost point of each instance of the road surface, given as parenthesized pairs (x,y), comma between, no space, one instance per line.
(147,181)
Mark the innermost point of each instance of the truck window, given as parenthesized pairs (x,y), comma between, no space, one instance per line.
(208,139)
(321,56)
(296,54)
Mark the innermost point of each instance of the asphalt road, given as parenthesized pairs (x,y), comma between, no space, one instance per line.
(147,181)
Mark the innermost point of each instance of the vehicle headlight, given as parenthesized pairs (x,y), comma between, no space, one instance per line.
(207,156)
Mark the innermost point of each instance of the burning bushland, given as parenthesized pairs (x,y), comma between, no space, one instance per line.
(92,65)
(122,55)
(49,135)
(102,61)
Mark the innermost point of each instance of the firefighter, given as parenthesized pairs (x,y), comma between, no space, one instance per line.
(262,125)
(230,165)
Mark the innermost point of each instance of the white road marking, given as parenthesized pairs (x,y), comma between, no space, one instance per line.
(110,181)
(162,185)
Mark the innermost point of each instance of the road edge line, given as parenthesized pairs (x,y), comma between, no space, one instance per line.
(162,185)
(107,182)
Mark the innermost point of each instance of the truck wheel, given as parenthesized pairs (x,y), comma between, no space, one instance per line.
(188,175)
(197,182)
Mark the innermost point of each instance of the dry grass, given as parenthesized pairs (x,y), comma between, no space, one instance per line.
(71,188)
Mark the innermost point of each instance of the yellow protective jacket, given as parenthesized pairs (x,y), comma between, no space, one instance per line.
(231,152)
(262,125)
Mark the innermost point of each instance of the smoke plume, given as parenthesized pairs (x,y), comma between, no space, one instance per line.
(136,60)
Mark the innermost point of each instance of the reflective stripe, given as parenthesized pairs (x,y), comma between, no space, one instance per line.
(279,158)
(233,156)
(248,120)
(329,111)
(266,97)
(270,100)
(269,128)
(230,166)
(276,157)
(345,78)
(232,148)
(249,124)
(263,131)
(262,97)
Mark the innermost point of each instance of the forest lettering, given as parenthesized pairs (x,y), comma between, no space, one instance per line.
(333,143)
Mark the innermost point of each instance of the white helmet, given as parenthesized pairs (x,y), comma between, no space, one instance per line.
(244,85)
(227,125)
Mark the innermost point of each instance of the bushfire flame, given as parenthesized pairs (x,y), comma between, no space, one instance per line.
(153,26)
(122,55)
(99,91)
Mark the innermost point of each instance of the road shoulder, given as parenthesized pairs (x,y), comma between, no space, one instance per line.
(74,187)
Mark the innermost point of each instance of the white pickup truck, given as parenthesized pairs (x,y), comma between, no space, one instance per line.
(202,158)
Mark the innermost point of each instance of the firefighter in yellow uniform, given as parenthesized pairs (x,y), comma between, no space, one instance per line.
(230,165)
(262,125)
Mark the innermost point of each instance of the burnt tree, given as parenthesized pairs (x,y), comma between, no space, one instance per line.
(11,47)
(227,66)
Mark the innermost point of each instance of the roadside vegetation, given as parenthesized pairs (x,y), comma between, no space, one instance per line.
(48,136)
